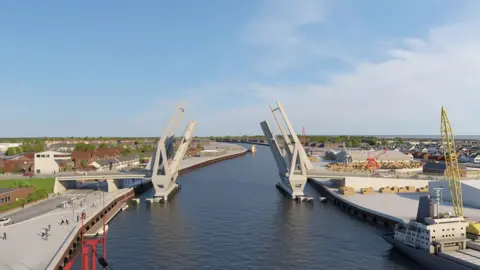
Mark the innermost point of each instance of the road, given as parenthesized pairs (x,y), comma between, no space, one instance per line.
(45,206)
(19,176)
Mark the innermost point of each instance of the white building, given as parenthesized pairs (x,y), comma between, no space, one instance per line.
(5,146)
(46,162)
(117,163)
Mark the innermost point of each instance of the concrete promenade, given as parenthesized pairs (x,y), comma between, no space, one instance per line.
(25,248)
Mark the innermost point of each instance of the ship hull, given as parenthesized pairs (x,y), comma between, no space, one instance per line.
(430,261)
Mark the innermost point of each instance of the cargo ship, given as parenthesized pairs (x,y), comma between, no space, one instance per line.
(436,242)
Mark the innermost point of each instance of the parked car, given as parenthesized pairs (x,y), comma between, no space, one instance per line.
(28,174)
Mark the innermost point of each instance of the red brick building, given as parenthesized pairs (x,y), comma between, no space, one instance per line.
(10,195)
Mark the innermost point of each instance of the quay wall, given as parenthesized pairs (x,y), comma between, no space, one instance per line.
(376,218)
(68,251)
(378,182)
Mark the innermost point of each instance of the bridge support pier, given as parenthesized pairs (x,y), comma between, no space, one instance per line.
(111,185)
(292,161)
(58,187)
(165,162)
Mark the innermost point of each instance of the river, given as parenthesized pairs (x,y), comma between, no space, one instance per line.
(229,215)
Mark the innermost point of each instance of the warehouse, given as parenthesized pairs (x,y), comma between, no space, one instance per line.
(439,168)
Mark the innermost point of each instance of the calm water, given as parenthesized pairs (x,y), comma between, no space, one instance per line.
(230,216)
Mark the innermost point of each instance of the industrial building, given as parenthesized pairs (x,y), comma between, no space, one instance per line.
(48,162)
(4,146)
(440,167)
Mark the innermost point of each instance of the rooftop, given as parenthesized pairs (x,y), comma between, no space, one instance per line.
(5,190)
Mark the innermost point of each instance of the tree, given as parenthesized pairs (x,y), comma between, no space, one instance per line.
(38,148)
(26,147)
(125,151)
(19,149)
(398,140)
(102,146)
(11,151)
(83,163)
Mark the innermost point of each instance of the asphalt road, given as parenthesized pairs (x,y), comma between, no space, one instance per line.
(45,206)
(19,176)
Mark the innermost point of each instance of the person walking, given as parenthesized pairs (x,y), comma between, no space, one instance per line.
(4,236)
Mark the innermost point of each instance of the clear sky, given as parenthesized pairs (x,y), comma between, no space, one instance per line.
(118,68)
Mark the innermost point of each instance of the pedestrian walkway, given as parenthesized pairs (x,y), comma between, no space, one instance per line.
(25,248)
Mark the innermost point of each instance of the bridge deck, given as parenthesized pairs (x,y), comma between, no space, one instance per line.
(93,231)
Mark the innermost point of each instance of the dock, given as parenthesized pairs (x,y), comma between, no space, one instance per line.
(386,210)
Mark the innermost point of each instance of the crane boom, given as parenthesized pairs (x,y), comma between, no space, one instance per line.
(452,172)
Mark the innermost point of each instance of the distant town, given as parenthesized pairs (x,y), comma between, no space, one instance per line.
(53,155)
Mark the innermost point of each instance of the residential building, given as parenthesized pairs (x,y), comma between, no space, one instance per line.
(10,195)
(475,158)
(116,163)
(62,147)
(47,162)
(18,165)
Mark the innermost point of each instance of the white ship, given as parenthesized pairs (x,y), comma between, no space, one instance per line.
(436,242)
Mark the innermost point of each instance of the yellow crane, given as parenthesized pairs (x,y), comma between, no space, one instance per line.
(452,173)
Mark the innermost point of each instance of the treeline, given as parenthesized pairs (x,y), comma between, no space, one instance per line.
(140,148)
(25,148)
(350,141)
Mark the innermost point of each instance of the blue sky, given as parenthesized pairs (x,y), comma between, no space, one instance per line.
(117,68)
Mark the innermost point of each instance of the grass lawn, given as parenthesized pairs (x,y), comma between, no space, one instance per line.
(42,187)
(37,183)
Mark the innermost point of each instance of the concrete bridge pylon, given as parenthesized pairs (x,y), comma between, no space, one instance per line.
(292,160)
(165,162)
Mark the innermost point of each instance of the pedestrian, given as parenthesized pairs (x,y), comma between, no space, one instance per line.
(61,223)
(4,236)
(77,218)
(49,227)
(66,221)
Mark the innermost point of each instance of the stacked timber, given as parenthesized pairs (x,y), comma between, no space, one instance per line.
(407,189)
(388,189)
(346,190)
(368,190)
(423,189)
(361,166)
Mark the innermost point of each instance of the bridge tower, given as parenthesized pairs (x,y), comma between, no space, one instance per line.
(165,162)
(292,161)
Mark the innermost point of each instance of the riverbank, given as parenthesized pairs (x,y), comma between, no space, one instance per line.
(24,247)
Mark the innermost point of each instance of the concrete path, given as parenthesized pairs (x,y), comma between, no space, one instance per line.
(25,248)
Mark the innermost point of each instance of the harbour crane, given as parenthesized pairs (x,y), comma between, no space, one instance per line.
(372,163)
(452,173)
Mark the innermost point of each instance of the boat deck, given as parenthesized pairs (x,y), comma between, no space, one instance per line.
(467,257)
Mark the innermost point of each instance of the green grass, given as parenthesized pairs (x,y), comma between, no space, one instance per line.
(38,183)
(42,187)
